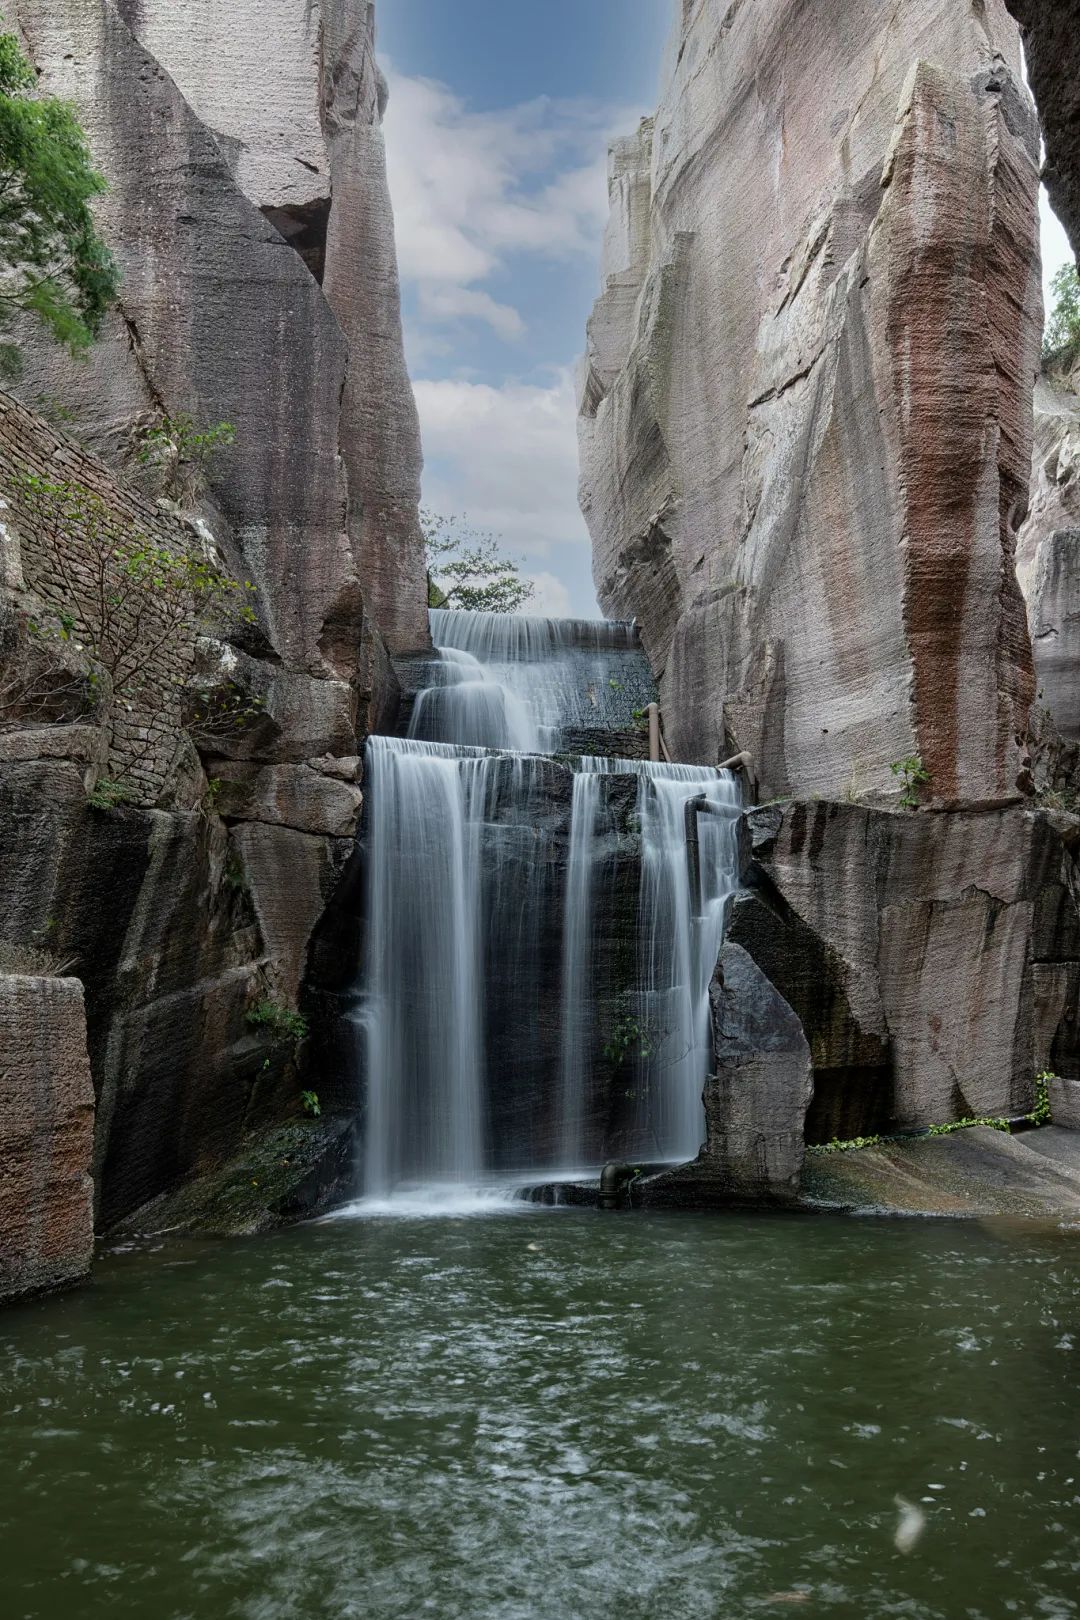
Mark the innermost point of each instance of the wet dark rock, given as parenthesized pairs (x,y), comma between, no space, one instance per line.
(755,1100)
(282,1175)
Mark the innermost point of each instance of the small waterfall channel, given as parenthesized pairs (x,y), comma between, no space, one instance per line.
(538,945)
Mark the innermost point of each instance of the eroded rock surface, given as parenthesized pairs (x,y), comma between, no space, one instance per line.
(46,1136)
(1048,554)
(805,406)
(932,959)
(1052,45)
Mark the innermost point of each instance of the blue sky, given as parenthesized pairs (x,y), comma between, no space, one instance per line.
(497,128)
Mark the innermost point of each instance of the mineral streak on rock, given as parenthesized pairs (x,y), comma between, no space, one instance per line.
(805,403)
(46,1136)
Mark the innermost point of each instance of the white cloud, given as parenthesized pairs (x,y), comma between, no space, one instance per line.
(505,457)
(551,599)
(444,303)
(471,189)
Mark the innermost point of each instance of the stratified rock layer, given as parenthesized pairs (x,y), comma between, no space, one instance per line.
(805,406)
(46,1136)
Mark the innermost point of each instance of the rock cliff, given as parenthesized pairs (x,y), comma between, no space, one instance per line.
(1052,46)
(1048,555)
(249,209)
(805,405)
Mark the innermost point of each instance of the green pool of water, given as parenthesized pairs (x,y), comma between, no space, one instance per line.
(550,1414)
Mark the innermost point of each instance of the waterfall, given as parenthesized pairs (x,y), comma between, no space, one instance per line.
(556,676)
(538,941)
(423,979)
(577,966)
(665,1021)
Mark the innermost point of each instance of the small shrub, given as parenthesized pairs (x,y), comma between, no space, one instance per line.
(284,1028)
(185,452)
(913,775)
(110,795)
(312,1105)
(992,1123)
(850,1146)
(1041,1113)
(235,875)
(628,1038)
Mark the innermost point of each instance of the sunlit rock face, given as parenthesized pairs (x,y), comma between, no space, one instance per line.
(806,399)
(250,211)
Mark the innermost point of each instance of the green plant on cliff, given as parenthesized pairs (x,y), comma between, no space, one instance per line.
(126,604)
(468,569)
(913,775)
(285,1028)
(628,1038)
(53,264)
(1061,339)
(990,1121)
(184,453)
(1042,1114)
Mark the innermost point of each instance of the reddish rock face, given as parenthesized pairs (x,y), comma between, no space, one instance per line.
(46,1136)
(805,406)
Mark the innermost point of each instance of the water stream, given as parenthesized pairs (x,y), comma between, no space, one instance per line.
(534,988)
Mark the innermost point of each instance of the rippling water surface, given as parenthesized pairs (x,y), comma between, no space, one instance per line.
(550,1414)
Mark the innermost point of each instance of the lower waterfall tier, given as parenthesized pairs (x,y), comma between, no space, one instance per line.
(534,990)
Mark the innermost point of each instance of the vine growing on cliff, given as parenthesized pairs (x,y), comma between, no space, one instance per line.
(53,264)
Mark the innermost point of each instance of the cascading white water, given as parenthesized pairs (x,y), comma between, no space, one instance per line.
(554,675)
(681,934)
(499,1036)
(577,967)
(666,1024)
(422,1004)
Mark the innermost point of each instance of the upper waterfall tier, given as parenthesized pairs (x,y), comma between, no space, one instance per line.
(529,684)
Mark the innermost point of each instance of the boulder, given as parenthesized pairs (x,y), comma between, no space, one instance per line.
(756,1098)
(46,1136)
(1065,1104)
(805,405)
(932,958)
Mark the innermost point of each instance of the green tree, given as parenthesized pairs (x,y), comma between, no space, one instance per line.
(53,263)
(468,569)
(1061,340)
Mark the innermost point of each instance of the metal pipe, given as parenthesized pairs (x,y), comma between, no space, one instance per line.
(654,733)
(614,1180)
